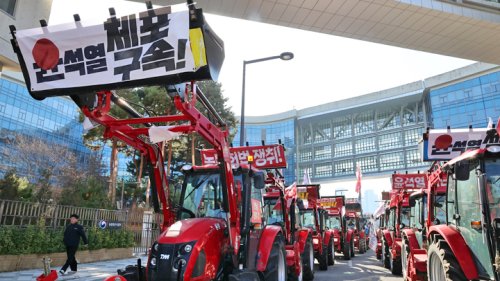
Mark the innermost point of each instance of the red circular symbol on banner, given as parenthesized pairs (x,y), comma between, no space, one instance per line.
(45,53)
(443,141)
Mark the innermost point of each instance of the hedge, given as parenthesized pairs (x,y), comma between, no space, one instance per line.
(41,240)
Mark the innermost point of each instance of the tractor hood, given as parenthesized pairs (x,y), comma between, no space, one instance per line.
(190,230)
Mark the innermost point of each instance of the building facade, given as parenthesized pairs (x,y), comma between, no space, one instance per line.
(380,131)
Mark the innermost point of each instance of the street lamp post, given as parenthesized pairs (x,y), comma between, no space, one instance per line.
(282,56)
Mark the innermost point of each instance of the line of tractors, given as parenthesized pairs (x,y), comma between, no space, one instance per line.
(444,224)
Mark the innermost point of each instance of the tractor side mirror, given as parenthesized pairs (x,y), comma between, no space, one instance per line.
(259,180)
(402,225)
(436,221)
(462,170)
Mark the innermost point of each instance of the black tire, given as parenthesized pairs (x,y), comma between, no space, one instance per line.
(386,258)
(405,254)
(442,264)
(323,258)
(331,252)
(307,259)
(395,265)
(362,246)
(353,252)
(292,276)
(346,250)
(276,269)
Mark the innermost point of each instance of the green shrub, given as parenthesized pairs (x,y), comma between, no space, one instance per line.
(40,240)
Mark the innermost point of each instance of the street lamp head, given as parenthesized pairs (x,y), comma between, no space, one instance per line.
(286,56)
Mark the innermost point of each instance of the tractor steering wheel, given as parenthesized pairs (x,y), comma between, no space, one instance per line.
(189,212)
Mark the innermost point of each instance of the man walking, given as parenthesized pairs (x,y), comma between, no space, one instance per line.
(71,240)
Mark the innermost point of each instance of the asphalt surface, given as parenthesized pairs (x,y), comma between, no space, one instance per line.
(362,267)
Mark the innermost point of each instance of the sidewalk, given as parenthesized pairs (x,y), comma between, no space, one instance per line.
(95,271)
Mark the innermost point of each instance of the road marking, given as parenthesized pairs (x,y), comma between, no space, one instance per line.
(350,263)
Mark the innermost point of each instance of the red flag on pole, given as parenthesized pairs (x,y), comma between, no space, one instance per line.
(358,178)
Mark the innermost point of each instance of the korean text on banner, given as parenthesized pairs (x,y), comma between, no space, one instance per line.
(409,181)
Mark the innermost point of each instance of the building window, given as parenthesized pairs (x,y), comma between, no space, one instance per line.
(39,123)
(22,115)
(412,137)
(365,145)
(323,152)
(306,134)
(364,124)
(344,167)
(323,170)
(392,161)
(8,6)
(389,141)
(2,108)
(413,158)
(343,149)
(305,155)
(322,132)
(388,120)
(368,164)
(342,128)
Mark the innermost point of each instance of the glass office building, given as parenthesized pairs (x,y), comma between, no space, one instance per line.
(468,102)
(55,120)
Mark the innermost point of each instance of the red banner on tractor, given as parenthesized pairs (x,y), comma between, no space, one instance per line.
(409,181)
(334,204)
(264,156)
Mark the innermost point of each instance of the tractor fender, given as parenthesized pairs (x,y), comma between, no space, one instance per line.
(459,248)
(302,235)
(349,235)
(266,240)
(328,236)
(409,234)
(387,237)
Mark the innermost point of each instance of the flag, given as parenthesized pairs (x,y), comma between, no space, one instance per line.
(358,179)
(306,179)
(291,192)
(498,126)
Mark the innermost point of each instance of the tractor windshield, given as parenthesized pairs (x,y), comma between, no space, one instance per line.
(405,216)
(202,196)
(307,219)
(273,211)
(439,208)
(333,222)
(492,167)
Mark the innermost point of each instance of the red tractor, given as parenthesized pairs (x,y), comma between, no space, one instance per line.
(342,236)
(210,233)
(354,220)
(426,209)
(399,217)
(279,205)
(467,245)
(312,216)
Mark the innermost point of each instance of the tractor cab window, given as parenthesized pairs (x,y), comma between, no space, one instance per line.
(273,211)
(307,219)
(333,222)
(202,196)
(351,223)
(256,200)
(416,213)
(439,209)
(391,221)
(405,216)
(492,169)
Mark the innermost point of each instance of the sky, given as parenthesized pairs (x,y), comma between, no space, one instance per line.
(325,68)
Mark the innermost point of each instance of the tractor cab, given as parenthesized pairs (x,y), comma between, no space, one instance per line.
(353,217)
(336,222)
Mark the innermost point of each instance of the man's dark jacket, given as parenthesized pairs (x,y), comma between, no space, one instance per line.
(72,235)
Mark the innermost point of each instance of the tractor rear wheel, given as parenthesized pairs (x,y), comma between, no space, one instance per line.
(331,252)
(386,259)
(362,245)
(353,253)
(323,258)
(442,264)
(276,265)
(346,249)
(307,259)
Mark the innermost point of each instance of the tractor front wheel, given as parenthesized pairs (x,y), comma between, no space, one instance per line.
(276,265)
(405,253)
(386,258)
(353,252)
(395,265)
(442,264)
(331,252)
(323,258)
(346,249)
(307,259)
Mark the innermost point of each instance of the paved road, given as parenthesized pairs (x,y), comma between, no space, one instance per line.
(362,267)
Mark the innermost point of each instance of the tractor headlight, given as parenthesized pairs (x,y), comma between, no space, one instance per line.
(152,262)
(188,248)
(179,263)
(199,266)
(335,240)
(315,241)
